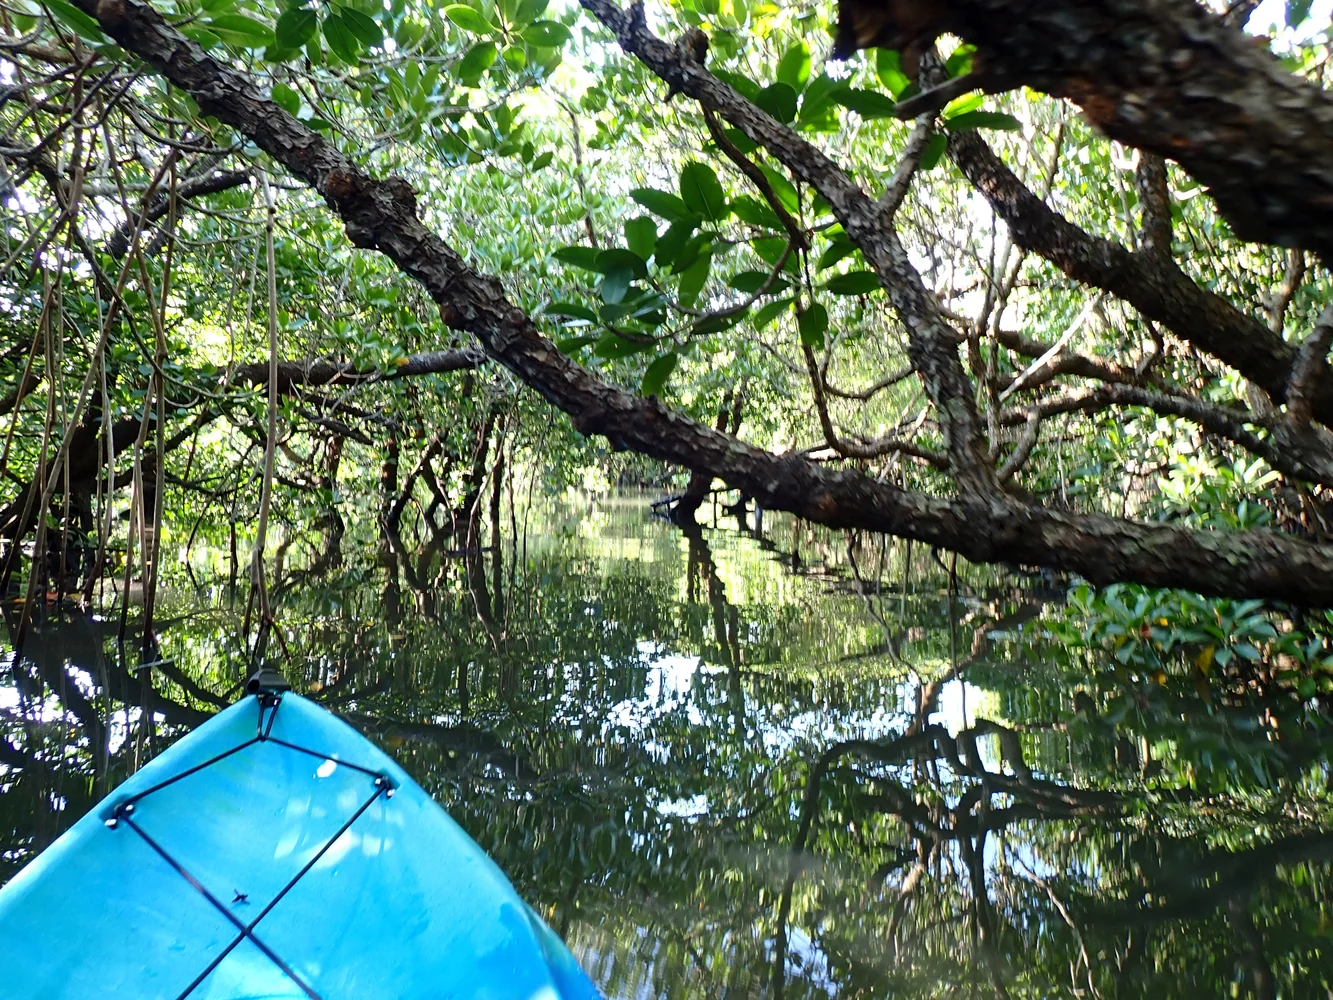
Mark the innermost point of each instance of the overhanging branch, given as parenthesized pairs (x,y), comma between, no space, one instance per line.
(381,215)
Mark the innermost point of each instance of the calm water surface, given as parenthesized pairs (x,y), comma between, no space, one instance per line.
(745,761)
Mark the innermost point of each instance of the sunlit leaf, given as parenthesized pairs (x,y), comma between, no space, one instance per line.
(702,192)
(546,34)
(529,10)
(469,19)
(812,322)
(662,204)
(657,374)
(889,69)
(794,66)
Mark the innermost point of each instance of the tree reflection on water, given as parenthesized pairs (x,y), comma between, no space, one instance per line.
(753,759)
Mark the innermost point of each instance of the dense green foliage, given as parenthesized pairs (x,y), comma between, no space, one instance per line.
(612,216)
(779,760)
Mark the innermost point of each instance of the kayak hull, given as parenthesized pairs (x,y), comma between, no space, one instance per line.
(274,853)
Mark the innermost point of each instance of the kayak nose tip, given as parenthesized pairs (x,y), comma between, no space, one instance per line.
(268,681)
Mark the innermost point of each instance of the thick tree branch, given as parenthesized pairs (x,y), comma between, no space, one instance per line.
(381,215)
(294,374)
(1155,201)
(1173,78)
(1310,369)
(118,243)
(1300,452)
(931,341)
(1151,284)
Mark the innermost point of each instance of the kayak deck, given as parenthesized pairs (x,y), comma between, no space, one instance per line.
(274,852)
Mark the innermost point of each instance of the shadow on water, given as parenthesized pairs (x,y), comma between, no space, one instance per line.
(749,760)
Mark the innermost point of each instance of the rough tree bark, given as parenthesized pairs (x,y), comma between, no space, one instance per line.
(696,490)
(1169,76)
(982,525)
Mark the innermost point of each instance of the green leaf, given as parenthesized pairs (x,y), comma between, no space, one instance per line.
(207,40)
(934,151)
(889,69)
(580,257)
(615,283)
(546,34)
(983,119)
(478,60)
(794,66)
(770,250)
(468,19)
(869,104)
(529,10)
(571,344)
(296,27)
(693,280)
(964,104)
(769,313)
(362,26)
(783,188)
(663,205)
(84,26)
(572,309)
(671,244)
(740,140)
(749,282)
(817,102)
(286,98)
(853,283)
(641,236)
(755,212)
(743,85)
(812,323)
(702,192)
(779,100)
(696,246)
(241,31)
(657,374)
(616,259)
(837,251)
(1297,12)
(342,43)
(612,346)
(960,61)
(543,160)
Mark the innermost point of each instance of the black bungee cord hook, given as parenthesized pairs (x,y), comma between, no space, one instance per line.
(266,683)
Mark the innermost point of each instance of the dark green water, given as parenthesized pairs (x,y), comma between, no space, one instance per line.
(628,720)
